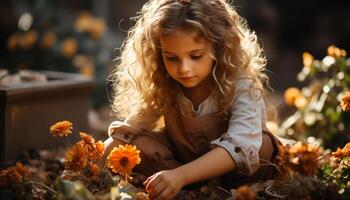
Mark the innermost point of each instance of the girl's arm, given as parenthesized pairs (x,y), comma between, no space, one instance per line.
(166,184)
(214,163)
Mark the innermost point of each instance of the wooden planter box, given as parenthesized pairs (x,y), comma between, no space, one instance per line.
(27,111)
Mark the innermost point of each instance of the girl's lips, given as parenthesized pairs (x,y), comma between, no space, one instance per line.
(186,78)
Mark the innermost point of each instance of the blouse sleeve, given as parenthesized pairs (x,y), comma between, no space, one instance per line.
(243,138)
(144,119)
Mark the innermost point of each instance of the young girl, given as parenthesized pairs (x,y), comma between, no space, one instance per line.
(189,84)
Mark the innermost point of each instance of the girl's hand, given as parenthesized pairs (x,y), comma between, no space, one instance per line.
(164,185)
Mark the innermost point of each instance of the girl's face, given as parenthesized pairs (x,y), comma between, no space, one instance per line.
(186,57)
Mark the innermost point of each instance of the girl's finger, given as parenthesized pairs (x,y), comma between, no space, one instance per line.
(148,179)
(152,183)
(157,189)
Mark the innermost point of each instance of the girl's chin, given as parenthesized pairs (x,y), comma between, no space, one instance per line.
(188,85)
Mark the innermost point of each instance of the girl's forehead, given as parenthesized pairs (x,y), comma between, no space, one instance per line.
(183,39)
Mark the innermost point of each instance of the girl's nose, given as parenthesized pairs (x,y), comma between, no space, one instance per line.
(185,67)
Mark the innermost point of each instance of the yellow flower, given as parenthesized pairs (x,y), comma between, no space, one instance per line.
(290,95)
(61,129)
(48,40)
(345,102)
(76,158)
(123,159)
(69,47)
(307,59)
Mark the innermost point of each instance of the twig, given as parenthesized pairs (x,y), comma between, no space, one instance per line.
(44,186)
(224,190)
(271,164)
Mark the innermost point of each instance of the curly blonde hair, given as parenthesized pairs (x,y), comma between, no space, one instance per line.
(140,80)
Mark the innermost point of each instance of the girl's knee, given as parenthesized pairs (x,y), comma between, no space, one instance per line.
(267,148)
(152,148)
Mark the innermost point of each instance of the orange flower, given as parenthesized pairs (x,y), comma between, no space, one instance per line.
(13,176)
(94,171)
(340,153)
(94,150)
(291,95)
(345,102)
(123,159)
(335,52)
(84,22)
(29,39)
(61,129)
(69,47)
(87,70)
(23,170)
(76,158)
(98,151)
(13,42)
(88,139)
(307,59)
(302,158)
(97,29)
(244,193)
(48,40)
(282,160)
(300,102)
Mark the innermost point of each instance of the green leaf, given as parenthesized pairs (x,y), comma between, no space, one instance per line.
(68,190)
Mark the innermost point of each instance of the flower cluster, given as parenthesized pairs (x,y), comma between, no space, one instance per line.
(338,169)
(82,154)
(75,42)
(13,176)
(322,107)
(300,158)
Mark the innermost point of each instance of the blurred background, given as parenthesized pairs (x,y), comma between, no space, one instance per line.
(80,36)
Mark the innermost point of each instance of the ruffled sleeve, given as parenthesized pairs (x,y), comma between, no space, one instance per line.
(243,138)
(145,119)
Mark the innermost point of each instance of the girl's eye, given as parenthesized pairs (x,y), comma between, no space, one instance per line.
(196,57)
(172,58)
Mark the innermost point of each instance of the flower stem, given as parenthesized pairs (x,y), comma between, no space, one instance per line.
(126,177)
(68,142)
(44,186)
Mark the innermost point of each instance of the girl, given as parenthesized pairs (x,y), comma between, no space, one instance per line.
(189,84)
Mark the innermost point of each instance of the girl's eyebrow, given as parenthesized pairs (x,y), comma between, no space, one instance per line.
(192,51)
